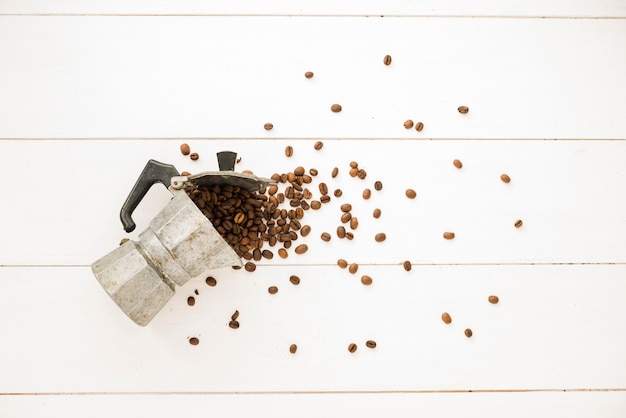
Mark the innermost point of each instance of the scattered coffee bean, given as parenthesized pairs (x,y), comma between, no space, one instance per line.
(305,230)
(234,316)
(378,185)
(124,241)
(334,172)
(468,333)
(387,60)
(184,148)
(457,163)
(272,290)
(185,173)
(335,108)
(313,171)
(366,280)
(408,124)
(268,126)
(448,235)
(349,236)
(493,299)
(367,193)
(346,207)
(325,198)
(354,267)
(345,217)
(194,341)
(410,193)
(446,318)
(295,280)
(282,253)
(337,192)
(211,281)
(298,171)
(518,223)
(380,237)
(505,178)
(342,263)
(267,254)
(325,236)
(196,292)
(301,249)
(341,231)
(353,172)
(361,173)
(352,347)
(370,344)
(288,150)
(233,324)
(407,265)
(308,74)
(419,126)
(293,348)
(191,301)
(354,222)
(250,266)
(463,109)
(318,145)
(194,156)
(316,204)
(323,188)
(376,213)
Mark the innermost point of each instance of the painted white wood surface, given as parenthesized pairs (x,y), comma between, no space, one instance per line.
(120,77)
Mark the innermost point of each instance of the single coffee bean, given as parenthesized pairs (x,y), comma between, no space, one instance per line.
(448,235)
(293,348)
(378,185)
(323,188)
(288,150)
(196,292)
(370,344)
(410,193)
(493,299)
(233,324)
(354,267)
(446,318)
(346,207)
(361,173)
(267,254)
(316,204)
(419,126)
(505,178)
(342,263)
(305,230)
(367,193)
(463,109)
(295,280)
(308,74)
(211,281)
(334,172)
(318,145)
(191,301)
(407,265)
(234,316)
(380,237)
(194,341)
(337,192)
(325,236)
(272,290)
(194,156)
(352,347)
(376,213)
(184,148)
(301,249)
(335,108)
(468,333)
(346,217)
(298,171)
(457,163)
(387,60)
(354,222)
(239,218)
(250,266)
(353,172)
(366,280)
(341,232)
(185,173)
(408,124)
(518,223)
(124,241)
(349,236)
(325,198)
(268,126)
(282,253)
(313,171)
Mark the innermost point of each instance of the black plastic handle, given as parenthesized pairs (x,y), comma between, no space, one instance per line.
(226,160)
(153,172)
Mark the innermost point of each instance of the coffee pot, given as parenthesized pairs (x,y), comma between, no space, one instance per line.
(179,243)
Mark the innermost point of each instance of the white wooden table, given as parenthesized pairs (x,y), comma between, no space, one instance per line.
(90,91)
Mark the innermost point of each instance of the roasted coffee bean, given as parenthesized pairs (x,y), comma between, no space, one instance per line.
(268,126)
(376,213)
(256,254)
(211,281)
(323,188)
(342,263)
(408,124)
(325,198)
(387,60)
(366,280)
(194,341)
(354,164)
(325,236)
(185,149)
(349,236)
(305,230)
(380,237)
(346,207)
(313,171)
(233,324)
(367,193)
(407,265)
(370,344)
(468,333)
(354,222)
(341,232)
(353,172)
(419,126)
(361,174)
(334,172)
(295,280)
(446,318)
(250,266)
(352,347)
(301,249)
(316,204)
(196,292)
(410,193)
(272,290)
(185,173)
(378,185)
(308,74)
(457,163)
(124,241)
(505,178)
(194,156)
(293,348)
(346,217)
(463,109)
(318,145)
(448,235)
(299,171)
(493,299)
(337,192)
(267,254)
(288,150)
(239,218)
(234,316)
(354,267)
(191,301)
(518,223)
(335,108)
(282,253)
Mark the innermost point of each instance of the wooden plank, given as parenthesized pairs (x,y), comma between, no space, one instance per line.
(85,77)
(532,8)
(65,196)
(470,405)
(555,328)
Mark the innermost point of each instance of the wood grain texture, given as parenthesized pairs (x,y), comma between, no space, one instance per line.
(90,76)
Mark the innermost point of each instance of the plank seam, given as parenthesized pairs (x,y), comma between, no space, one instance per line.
(285,15)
